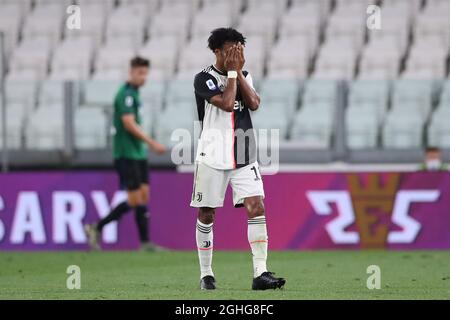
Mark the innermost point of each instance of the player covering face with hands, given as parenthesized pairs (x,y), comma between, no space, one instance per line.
(226,154)
(234,57)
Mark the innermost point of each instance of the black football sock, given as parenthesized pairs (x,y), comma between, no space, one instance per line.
(115,214)
(142,218)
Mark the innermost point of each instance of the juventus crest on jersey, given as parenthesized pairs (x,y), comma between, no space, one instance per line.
(227,140)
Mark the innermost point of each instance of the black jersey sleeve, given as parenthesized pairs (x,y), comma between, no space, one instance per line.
(206,86)
(249,78)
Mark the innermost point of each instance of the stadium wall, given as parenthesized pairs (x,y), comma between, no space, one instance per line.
(305,211)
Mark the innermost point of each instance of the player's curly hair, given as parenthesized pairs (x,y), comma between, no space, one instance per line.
(219,36)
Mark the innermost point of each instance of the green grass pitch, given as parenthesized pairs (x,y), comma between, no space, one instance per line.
(174,275)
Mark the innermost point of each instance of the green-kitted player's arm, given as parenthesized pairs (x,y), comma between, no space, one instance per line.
(125,109)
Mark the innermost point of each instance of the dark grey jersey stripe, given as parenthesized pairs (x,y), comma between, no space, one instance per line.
(205,229)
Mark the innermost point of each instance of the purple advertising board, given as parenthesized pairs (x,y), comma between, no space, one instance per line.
(305,211)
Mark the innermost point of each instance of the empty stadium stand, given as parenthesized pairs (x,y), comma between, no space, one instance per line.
(310,60)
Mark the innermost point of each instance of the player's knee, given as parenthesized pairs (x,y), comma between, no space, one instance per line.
(145,194)
(145,198)
(255,208)
(206,215)
(132,202)
(134,199)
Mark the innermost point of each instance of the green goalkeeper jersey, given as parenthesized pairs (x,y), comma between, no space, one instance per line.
(125,145)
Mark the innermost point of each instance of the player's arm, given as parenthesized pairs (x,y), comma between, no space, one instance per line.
(125,108)
(207,87)
(132,127)
(225,100)
(249,95)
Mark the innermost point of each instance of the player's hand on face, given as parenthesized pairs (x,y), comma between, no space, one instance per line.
(228,58)
(158,147)
(231,60)
(241,58)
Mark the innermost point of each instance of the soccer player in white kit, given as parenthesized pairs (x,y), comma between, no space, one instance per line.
(227,155)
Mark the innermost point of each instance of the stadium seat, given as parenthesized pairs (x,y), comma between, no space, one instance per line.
(63,62)
(403,129)
(128,21)
(410,7)
(179,116)
(100,93)
(395,24)
(445,94)
(361,127)
(194,58)
(152,96)
(336,60)
(90,128)
(430,25)
(107,5)
(348,20)
(15,123)
(163,54)
(188,6)
(320,92)
(231,8)
(413,95)
(268,118)
(307,25)
(11,18)
(152,6)
(295,28)
(32,55)
(180,91)
(259,22)
(114,55)
(427,59)
(276,7)
(22,93)
(61,3)
(209,19)
(24,5)
(50,136)
(163,23)
(281,95)
(312,127)
(290,56)
(110,75)
(255,56)
(380,59)
(372,94)
(323,7)
(52,93)
(45,20)
(438,129)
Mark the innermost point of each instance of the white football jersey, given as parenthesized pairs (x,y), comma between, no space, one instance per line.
(219,146)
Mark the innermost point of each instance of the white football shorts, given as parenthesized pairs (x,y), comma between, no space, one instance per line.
(211,184)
